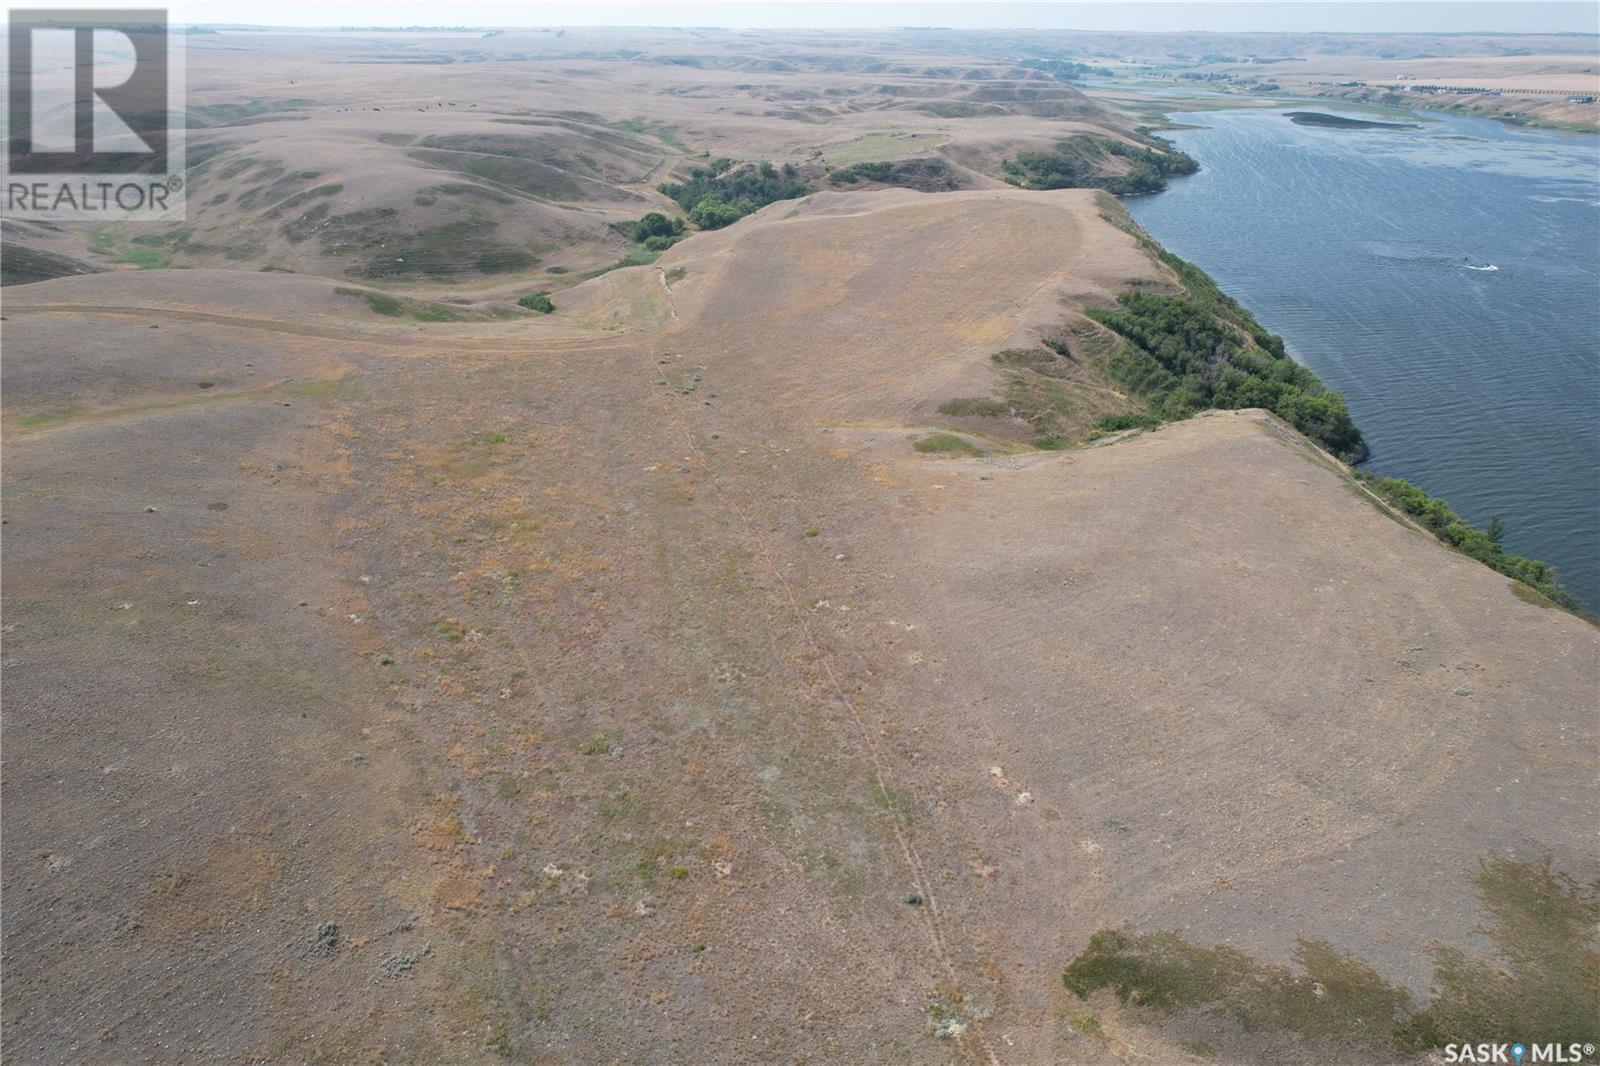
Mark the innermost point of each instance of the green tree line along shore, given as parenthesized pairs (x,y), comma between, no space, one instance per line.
(1201,349)
(1180,354)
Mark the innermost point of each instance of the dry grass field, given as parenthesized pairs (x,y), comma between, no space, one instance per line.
(395,674)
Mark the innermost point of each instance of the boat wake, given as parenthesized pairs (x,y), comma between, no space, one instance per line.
(1485,266)
(1566,200)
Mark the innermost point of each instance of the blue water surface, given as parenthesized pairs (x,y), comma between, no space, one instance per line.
(1369,252)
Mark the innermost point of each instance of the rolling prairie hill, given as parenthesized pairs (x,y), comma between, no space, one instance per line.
(479,169)
(627,684)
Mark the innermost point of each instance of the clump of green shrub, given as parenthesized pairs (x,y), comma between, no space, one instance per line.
(713,213)
(1116,423)
(656,231)
(537,301)
(1482,545)
(724,192)
(862,172)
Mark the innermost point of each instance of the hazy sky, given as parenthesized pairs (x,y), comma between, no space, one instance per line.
(1371,17)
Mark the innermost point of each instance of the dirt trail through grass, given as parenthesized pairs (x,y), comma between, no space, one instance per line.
(974,1046)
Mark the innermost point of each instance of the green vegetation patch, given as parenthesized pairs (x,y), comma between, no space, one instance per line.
(661,131)
(461,246)
(537,301)
(640,256)
(21,265)
(1117,423)
(654,232)
(1200,350)
(1545,978)
(200,116)
(1094,162)
(462,188)
(926,175)
(381,303)
(146,258)
(437,312)
(1055,393)
(946,444)
(1334,996)
(305,225)
(724,192)
(974,407)
(289,203)
(501,163)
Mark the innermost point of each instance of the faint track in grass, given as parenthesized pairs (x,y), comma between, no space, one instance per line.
(974,1047)
(540,345)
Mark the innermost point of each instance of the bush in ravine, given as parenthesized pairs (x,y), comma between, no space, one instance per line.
(656,225)
(734,190)
(1116,423)
(537,301)
(712,213)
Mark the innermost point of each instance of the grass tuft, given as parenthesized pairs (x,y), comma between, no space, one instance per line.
(946,444)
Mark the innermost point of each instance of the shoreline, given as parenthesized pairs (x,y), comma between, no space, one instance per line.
(1429,513)
(1368,99)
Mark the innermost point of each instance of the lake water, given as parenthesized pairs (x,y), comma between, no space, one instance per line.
(1368,251)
